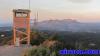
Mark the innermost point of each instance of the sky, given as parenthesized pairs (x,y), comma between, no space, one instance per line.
(81,10)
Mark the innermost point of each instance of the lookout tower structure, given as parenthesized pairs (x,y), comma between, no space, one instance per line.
(21,26)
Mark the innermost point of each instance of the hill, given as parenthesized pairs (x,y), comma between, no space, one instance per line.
(68,25)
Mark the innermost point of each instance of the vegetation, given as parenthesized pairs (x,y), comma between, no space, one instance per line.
(6,38)
(50,42)
(38,51)
(68,40)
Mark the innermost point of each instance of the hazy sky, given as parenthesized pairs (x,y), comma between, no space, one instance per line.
(81,10)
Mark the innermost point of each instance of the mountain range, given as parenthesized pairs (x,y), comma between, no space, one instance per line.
(68,25)
(62,25)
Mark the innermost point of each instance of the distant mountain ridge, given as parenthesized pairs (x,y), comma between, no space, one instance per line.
(6,28)
(61,25)
(68,25)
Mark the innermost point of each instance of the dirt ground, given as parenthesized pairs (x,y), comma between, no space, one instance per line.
(11,50)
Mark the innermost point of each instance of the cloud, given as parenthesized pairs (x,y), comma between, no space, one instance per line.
(80,1)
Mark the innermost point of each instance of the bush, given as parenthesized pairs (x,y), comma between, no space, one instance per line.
(38,51)
(36,38)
